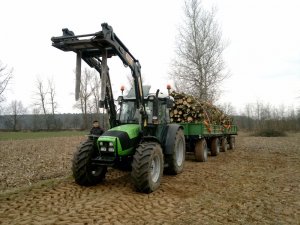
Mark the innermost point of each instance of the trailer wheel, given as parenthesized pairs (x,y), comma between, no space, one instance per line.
(176,160)
(215,146)
(201,151)
(232,142)
(224,145)
(147,167)
(84,172)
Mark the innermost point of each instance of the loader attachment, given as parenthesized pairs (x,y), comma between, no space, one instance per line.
(95,49)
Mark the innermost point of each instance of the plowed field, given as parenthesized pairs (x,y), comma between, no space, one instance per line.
(257,183)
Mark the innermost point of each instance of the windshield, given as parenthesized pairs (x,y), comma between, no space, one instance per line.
(129,112)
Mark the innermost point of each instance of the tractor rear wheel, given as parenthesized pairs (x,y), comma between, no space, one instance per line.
(147,167)
(215,146)
(232,142)
(84,172)
(224,145)
(201,151)
(176,160)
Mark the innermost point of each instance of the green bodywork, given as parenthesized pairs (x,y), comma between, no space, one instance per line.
(133,131)
(200,129)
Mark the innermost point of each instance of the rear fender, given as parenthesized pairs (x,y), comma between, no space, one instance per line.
(170,138)
(150,138)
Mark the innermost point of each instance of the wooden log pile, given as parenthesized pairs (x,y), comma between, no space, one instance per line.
(187,109)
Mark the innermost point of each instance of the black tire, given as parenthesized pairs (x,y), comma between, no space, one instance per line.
(147,167)
(84,172)
(201,151)
(224,145)
(176,160)
(215,147)
(232,142)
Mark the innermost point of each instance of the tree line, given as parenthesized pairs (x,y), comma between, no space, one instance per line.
(263,116)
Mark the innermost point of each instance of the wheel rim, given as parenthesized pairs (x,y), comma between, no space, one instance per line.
(96,171)
(179,151)
(155,168)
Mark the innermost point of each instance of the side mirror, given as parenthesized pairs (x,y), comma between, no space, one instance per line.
(170,103)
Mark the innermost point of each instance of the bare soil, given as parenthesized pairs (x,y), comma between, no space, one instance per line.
(257,183)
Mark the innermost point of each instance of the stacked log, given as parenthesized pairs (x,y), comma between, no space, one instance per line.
(188,109)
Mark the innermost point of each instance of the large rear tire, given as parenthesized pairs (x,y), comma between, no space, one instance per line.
(224,145)
(201,151)
(147,167)
(176,160)
(215,147)
(84,172)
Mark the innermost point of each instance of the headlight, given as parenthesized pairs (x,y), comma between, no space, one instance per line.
(103,149)
(111,149)
(111,144)
(101,143)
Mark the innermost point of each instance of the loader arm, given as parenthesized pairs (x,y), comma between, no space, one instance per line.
(94,49)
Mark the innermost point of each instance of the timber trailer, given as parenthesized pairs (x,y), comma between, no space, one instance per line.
(141,134)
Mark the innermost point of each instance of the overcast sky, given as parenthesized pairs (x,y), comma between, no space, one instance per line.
(263,55)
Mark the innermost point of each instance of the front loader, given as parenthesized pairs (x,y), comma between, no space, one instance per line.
(140,134)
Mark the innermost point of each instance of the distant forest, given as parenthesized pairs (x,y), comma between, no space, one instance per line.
(36,122)
(39,122)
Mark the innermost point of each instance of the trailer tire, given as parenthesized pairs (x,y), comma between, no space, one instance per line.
(224,145)
(232,142)
(215,147)
(84,172)
(201,151)
(176,160)
(147,167)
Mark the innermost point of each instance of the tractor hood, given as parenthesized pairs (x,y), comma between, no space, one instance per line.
(132,130)
(126,136)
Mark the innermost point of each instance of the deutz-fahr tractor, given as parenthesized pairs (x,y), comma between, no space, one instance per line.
(140,134)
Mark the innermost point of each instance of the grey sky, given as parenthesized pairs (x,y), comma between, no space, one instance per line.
(263,55)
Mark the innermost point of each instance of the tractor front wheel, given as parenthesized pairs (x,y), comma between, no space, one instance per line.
(84,172)
(147,167)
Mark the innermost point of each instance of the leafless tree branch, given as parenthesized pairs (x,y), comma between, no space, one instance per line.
(6,75)
(199,68)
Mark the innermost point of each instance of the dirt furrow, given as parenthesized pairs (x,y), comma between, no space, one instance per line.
(245,186)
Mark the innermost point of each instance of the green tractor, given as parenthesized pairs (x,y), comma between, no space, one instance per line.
(141,134)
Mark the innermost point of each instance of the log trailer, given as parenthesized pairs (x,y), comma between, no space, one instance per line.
(141,134)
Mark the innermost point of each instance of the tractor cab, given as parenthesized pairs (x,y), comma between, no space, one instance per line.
(157,108)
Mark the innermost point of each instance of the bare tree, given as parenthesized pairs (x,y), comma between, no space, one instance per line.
(41,100)
(227,108)
(5,76)
(52,93)
(15,110)
(249,115)
(95,87)
(41,93)
(199,68)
